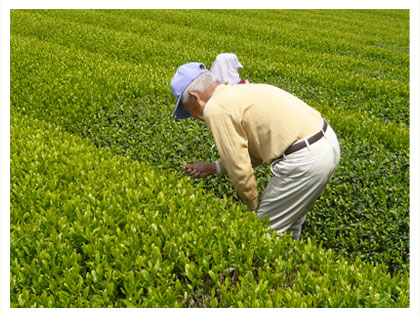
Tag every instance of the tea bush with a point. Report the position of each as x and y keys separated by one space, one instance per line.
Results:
x=93 y=229
x=103 y=75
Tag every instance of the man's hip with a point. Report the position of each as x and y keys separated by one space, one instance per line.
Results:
x=298 y=180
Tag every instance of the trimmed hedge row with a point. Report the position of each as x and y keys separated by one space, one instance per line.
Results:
x=93 y=229
x=348 y=68
x=108 y=81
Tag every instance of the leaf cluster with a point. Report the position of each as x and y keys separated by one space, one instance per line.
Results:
x=93 y=229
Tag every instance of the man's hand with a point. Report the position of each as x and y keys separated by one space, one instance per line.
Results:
x=200 y=169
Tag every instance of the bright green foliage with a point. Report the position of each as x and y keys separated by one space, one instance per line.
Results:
x=93 y=229
x=103 y=75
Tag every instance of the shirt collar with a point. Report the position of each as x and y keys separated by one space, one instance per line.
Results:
x=217 y=90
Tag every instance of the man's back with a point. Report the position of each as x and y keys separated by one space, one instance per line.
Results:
x=270 y=118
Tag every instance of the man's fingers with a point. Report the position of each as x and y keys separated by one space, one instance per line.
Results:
x=189 y=166
x=192 y=172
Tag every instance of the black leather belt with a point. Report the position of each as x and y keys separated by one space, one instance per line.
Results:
x=302 y=144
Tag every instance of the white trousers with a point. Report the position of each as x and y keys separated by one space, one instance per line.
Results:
x=297 y=182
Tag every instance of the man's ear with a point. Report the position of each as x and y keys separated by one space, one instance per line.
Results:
x=197 y=97
x=195 y=94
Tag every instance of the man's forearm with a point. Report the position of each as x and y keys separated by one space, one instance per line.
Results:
x=212 y=167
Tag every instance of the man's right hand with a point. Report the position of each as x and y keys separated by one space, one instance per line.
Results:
x=200 y=169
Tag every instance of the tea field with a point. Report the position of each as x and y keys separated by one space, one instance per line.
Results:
x=100 y=212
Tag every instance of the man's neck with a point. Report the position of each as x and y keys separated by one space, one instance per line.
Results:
x=209 y=92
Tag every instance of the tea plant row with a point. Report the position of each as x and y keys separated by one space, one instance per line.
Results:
x=108 y=81
x=90 y=228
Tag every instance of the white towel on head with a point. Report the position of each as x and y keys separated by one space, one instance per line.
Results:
x=225 y=68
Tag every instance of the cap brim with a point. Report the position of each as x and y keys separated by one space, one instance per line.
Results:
x=180 y=112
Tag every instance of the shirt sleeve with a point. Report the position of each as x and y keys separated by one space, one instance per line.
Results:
x=232 y=145
x=255 y=162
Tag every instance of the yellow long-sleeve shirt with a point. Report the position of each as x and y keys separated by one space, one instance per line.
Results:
x=252 y=123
